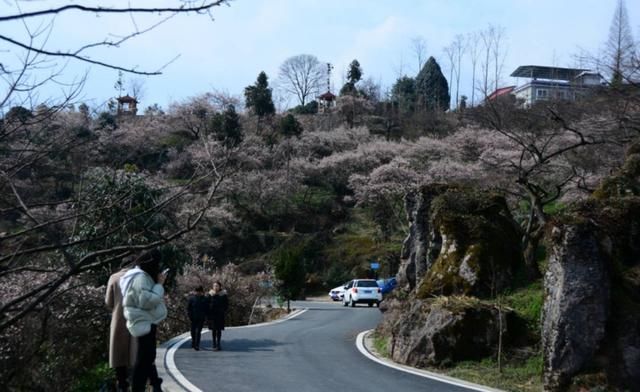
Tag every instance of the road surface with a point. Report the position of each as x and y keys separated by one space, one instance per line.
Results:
x=313 y=352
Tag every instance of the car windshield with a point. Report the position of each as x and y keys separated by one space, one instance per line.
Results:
x=367 y=283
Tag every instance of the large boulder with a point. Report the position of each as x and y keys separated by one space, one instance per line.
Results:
x=440 y=331
x=422 y=246
x=461 y=241
x=576 y=303
x=591 y=316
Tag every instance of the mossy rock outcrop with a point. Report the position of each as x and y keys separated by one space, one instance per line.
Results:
x=462 y=241
x=591 y=315
x=626 y=182
x=441 y=331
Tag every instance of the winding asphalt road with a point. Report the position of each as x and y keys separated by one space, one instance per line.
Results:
x=314 y=351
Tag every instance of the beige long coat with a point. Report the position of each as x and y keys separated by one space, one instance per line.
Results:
x=122 y=346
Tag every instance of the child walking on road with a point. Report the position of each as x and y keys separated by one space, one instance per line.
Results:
x=197 y=310
x=218 y=305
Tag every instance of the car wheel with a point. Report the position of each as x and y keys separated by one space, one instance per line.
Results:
x=344 y=303
x=377 y=304
x=370 y=304
x=353 y=304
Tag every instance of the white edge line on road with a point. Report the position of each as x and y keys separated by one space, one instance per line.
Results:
x=168 y=350
x=417 y=372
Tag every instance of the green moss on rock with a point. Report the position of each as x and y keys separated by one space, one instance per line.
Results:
x=480 y=248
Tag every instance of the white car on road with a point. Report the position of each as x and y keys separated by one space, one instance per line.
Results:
x=362 y=291
x=337 y=293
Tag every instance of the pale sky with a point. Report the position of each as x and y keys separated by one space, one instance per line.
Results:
x=249 y=36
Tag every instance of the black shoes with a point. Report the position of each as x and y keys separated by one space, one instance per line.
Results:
x=156 y=387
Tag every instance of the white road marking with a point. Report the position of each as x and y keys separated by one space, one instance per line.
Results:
x=417 y=372
x=166 y=362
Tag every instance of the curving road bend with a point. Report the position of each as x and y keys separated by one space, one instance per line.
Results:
x=313 y=352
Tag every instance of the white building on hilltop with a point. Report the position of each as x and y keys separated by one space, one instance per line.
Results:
x=549 y=83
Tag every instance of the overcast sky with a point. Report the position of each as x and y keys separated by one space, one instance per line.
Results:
x=249 y=36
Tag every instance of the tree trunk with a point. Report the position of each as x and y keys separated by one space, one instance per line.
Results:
x=530 y=250
x=533 y=233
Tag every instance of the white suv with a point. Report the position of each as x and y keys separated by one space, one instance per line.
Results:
x=362 y=291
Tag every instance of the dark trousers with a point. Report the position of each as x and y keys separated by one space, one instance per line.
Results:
x=196 y=332
x=145 y=368
x=122 y=377
x=216 y=336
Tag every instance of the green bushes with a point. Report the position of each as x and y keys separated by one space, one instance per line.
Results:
x=95 y=379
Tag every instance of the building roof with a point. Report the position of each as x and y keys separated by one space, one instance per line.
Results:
x=544 y=72
x=328 y=96
x=501 y=91
x=127 y=99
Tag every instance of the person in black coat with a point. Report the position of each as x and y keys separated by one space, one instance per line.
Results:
x=197 y=309
x=218 y=305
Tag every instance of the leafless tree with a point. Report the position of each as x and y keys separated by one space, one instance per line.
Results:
x=399 y=68
x=31 y=46
x=137 y=88
x=46 y=239
x=493 y=55
x=473 y=45
x=458 y=47
x=485 y=64
x=419 y=49
x=194 y=114
x=545 y=142
x=302 y=76
x=450 y=52
x=498 y=52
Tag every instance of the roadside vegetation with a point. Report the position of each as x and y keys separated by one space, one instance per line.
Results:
x=290 y=203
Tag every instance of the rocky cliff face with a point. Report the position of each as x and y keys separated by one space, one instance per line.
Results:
x=591 y=316
x=463 y=243
x=443 y=330
x=576 y=305
x=422 y=245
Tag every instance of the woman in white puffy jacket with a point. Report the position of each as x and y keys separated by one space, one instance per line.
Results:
x=144 y=308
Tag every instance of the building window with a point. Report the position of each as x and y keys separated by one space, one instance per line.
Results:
x=561 y=95
x=542 y=93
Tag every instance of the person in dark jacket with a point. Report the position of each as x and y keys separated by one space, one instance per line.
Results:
x=197 y=310
x=218 y=305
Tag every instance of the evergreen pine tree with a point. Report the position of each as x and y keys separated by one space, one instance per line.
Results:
x=258 y=97
x=289 y=126
x=290 y=272
x=403 y=93
x=621 y=47
x=432 y=89
x=354 y=75
x=227 y=128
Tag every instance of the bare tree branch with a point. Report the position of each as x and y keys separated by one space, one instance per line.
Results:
x=104 y=10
